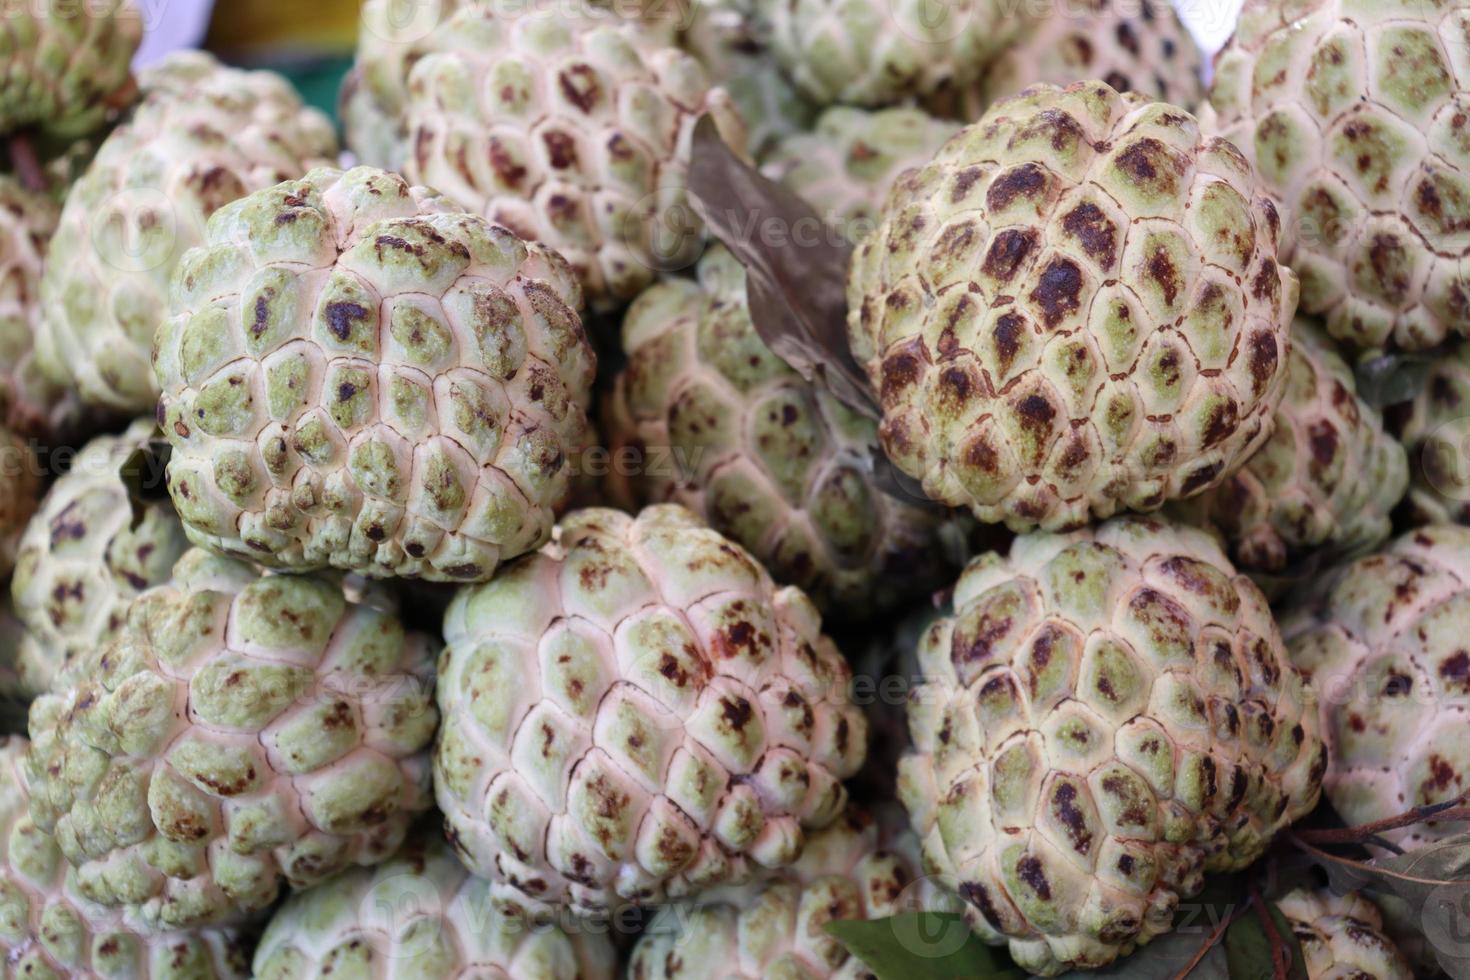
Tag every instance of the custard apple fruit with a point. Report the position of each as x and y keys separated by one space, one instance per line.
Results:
x=882 y=52
x=1076 y=308
x=202 y=136
x=571 y=129
x=422 y=916
x=65 y=65
x=847 y=164
x=1109 y=715
x=50 y=931
x=105 y=532
x=733 y=43
x=775 y=927
x=1324 y=483
x=723 y=426
x=30 y=403
x=375 y=91
x=1133 y=45
x=1383 y=643
x=637 y=711
x=1357 y=117
x=1433 y=429
x=357 y=374
x=238 y=731
x=1342 y=936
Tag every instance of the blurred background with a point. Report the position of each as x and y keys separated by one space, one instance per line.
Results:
x=312 y=43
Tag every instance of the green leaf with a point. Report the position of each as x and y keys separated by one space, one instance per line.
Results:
x=1248 y=949
x=924 y=944
x=1390 y=379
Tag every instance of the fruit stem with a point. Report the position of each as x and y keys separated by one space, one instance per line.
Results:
x=1449 y=811
x=1280 y=970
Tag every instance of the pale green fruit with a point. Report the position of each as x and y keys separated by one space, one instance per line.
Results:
x=723 y=426
x=637 y=712
x=775 y=927
x=357 y=374
x=847 y=164
x=733 y=42
x=1434 y=431
x=50 y=931
x=238 y=732
x=1342 y=936
x=65 y=65
x=1325 y=482
x=1107 y=716
x=105 y=532
x=1075 y=309
x=202 y=136
x=1355 y=115
x=573 y=130
x=422 y=916
x=1383 y=642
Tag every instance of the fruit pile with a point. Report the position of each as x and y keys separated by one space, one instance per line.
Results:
x=775 y=488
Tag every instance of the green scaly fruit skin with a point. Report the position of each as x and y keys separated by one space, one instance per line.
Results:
x=421 y=914
x=638 y=712
x=1355 y=115
x=30 y=403
x=1432 y=431
x=1342 y=936
x=203 y=135
x=239 y=732
x=358 y=374
x=856 y=869
x=727 y=429
x=1141 y=47
x=572 y=130
x=1075 y=309
x=732 y=42
x=876 y=53
x=1327 y=479
x=65 y=66
x=1383 y=641
x=848 y=163
x=89 y=551
x=50 y=931
x=1108 y=716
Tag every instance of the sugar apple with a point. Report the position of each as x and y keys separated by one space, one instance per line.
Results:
x=358 y=374
x=1355 y=115
x=1328 y=477
x=1342 y=936
x=30 y=403
x=883 y=52
x=20 y=493
x=105 y=532
x=422 y=916
x=845 y=167
x=64 y=65
x=732 y=42
x=1434 y=428
x=573 y=130
x=50 y=931
x=1075 y=308
x=719 y=712
x=774 y=927
x=1108 y=715
x=202 y=136
x=1383 y=643
x=1133 y=45
x=375 y=91
x=723 y=426
x=238 y=731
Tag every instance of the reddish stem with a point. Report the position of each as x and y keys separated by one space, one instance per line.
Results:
x=1449 y=811
x=27 y=167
